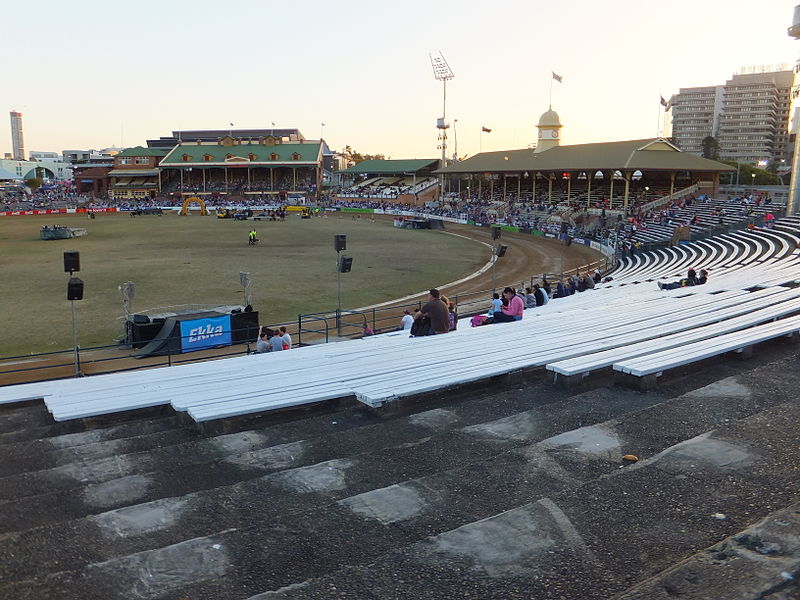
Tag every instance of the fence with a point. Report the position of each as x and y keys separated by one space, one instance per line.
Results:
x=309 y=328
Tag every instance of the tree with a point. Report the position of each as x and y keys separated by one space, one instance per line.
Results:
x=356 y=157
x=710 y=147
x=746 y=179
x=34 y=183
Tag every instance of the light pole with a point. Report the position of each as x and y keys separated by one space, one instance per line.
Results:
x=752 y=184
x=442 y=72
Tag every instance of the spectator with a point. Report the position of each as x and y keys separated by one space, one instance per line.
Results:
x=689 y=280
x=538 y=295
x=453 y=314
x=275 y=341
x=287 y=339
x=407 y=321
x=530 y=298
x=511 y=311
x=497 y=304
x=262 y=345
x=703 y=277
x=435 y=311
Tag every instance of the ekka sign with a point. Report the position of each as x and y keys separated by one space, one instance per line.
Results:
x=199 y=334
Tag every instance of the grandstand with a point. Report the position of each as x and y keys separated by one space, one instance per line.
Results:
x=403 y=181
x=510 y=488
x=242 y=167
x=610 y=175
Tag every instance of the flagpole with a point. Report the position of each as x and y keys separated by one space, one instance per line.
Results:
x=550 y=103
x=480 y=137
x=658 y=120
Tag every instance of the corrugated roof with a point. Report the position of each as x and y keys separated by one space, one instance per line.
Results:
x=391 y=167
x=133 y=173
x=141 y=151
x=651 y=154
x=240 y=153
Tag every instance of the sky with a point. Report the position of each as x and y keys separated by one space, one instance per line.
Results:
x=94 y=74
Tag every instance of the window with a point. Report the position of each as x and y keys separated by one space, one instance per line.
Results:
x=207 y=157
x=186 y=157
x=251 y=157
x=274 y=156
x=125 y=160
x=296 y=156
x=142 y=160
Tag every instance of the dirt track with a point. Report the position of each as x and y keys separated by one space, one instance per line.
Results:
x=526 y=257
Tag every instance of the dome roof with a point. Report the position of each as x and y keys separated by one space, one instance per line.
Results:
x=549 y=119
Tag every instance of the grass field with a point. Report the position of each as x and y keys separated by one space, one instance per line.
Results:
x=185 y=260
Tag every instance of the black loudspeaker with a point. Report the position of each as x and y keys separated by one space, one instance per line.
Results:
x=345 y=264
x=340 y=242
x=496 y=233
x=72 y=261
x=501 y=250
x=74 y=288
x=141 y=319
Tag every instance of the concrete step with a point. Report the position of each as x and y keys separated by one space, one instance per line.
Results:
x=78 y=489
x=359 y=526
x=762 y=561
x=436 y=445
x=596 y=540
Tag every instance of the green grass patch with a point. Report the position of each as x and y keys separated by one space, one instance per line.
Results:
x=176 y=260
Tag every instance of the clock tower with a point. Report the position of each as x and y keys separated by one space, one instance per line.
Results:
x=549 y=131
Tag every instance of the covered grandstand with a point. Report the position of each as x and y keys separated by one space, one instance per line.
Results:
x=407 y=181
x=609 y=175
x=239 y=166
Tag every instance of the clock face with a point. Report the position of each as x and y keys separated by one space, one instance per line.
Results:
x=554 y=133
x=541 y=134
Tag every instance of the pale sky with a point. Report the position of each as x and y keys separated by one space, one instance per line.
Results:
x=93 y=74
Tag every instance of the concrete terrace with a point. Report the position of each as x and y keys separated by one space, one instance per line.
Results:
x=508 y=487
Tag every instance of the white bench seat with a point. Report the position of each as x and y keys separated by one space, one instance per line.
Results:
x=655 y=364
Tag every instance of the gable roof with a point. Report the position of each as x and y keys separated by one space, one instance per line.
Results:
x=391 y=167
x=141 y=151
x=309 y=154
x=652 y=154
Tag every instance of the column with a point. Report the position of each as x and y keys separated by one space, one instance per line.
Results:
x=549 y=188
x=626 y=175
x=671 y=185
x=588 y=190
x=611 y=190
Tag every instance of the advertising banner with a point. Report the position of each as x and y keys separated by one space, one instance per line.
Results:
x=199 y=334
x=44 y=211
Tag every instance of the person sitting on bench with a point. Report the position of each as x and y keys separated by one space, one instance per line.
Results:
x=511 y=310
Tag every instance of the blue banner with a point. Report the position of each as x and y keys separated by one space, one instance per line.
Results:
x=199 y=334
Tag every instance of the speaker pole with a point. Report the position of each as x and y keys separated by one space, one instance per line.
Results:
x=75 y=341
x=339 y=294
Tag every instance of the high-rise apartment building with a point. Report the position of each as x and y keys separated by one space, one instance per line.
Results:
x=695 y=116
x=754 y=125
x=17 y=143
x=748 y=116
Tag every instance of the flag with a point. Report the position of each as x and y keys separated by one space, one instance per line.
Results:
x=323 y=124
x=231 y=124
x=273 y=123
x=663 y=102
x=485 y=129
x=558 y=78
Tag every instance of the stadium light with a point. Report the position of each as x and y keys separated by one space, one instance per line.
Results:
x=442 y=72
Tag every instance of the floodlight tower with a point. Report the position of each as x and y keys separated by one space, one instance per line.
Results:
x=443 y=73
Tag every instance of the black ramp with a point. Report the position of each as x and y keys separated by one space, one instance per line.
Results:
x=166 y=341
